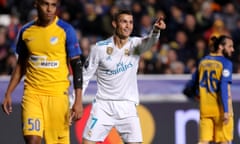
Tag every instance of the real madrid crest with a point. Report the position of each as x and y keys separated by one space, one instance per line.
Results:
x=126 y=52
x=109 y=50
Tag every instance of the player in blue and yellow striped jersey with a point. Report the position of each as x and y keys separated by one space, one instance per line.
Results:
x=214 y=77
x=45 y=46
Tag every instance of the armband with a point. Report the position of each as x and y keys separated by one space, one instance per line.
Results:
x=76 y=65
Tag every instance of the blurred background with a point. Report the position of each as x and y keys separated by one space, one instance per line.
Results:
x=166 y=115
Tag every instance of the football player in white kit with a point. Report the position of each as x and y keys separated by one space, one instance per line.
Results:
x=114 y=61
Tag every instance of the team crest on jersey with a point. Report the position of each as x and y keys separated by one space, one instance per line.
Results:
x=109 y=50
x=126 y=52
x=53 y=40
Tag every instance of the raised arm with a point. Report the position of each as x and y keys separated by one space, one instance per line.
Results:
x=154 y=35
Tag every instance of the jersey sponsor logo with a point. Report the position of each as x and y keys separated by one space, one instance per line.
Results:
x=53 y=40
x=42 y=62
x=226 y=73
x=121 y=67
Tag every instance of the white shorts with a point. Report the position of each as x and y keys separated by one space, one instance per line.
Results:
x=108 y=114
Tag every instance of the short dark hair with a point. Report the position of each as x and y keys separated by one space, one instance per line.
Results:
x=120 y=12
x=216 y=41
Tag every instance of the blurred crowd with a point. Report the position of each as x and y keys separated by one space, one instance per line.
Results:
x=190 y=24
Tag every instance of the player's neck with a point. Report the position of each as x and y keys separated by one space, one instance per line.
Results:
x=217 y=54
x=120 y=42
x=44 y=23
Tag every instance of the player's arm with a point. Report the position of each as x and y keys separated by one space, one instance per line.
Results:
x=76 y=66
x=224 y=99
x=82 y=74
x=74 y=52
x=154 y=35
x=228 y=104
x=190 y=90
x=226 y=80
x=229 y=93
x=224 y=95
x=90 y=66
x=230 y=107
x=17 y=74
x=14 y=81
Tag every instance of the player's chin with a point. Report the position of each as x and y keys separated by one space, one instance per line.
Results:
x=49 y=17
x=228 y=55
x=126 y=34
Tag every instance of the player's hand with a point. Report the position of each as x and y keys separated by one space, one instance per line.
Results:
x=160 y=24
x=190 y=91
x=7 y=104
x=225 y=118
x=76 y=112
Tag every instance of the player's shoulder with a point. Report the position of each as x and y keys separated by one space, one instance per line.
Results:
x=135 y=38
x=102 y=45
x=105 y=42
x=64 y=25
x=27 y=25
x=226 y=61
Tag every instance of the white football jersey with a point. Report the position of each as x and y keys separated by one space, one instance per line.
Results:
x=116 y=68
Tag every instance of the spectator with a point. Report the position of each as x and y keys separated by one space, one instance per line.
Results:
x=191 y=28
x=91 y=22
x=107 y=21
x=85 y=47
x=205 y=16
x=7 y=57
x=177 y=67
x=200 y=49
x=176 y=21
x=229 y=16
x=145 y=25
x=217 y=29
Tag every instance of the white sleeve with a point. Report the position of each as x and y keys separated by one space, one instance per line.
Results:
x=149 y=41
x=90 y=67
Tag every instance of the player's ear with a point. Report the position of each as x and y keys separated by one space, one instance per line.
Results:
x=114 y=24
x=221 y=47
